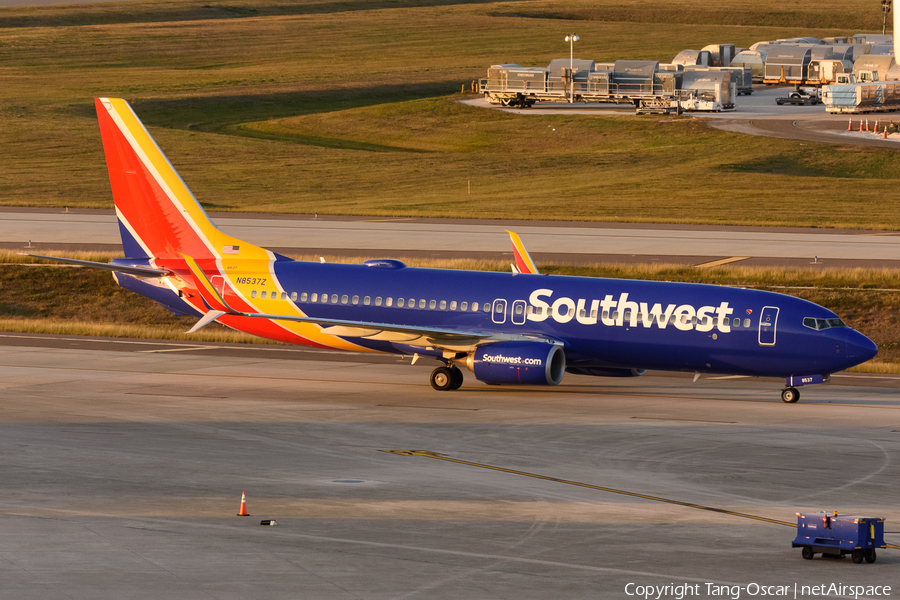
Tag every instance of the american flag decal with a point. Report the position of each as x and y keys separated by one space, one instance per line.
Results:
x=230 y=249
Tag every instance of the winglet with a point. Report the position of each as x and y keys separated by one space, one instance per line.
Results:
x=523 y=261
x=207 y=290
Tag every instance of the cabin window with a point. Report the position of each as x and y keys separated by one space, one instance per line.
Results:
x=693 y=320
x=746 y=322
x=313 y=298
x=324 y=299
x=582 y=313
x=474 y=307
x=400 y=302
x=293 y=296
x=367 y=300
x=378 y=301
x=736 y=322
x=593 y=314
x=443 y=305
x=453 y=305
x=605 y=314
x=389 y=302
x=704 y=321
x=549 y=311
x=518 y=308
x=262 y=294
x=284 y=295
x=253 y=294
x=487 y=307
x=433 y=303
x=615 y=315
x=464 y=306
x=355 y=300
x=422 y=303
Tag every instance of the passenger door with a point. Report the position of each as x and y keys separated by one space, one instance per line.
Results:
x=767 y=321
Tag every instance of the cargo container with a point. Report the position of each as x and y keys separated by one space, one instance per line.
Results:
x=787 y=64
x=720 y=55
x=707 y=91
x=885 y=66
x=693 y=57
x=741 y=77
x=824 y=71
x=851 y=96
x=755 y=60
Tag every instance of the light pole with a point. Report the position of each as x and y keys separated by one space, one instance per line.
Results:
x=572 y=39
x=885 y=8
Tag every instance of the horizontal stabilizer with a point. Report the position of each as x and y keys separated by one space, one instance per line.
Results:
x=139 y=271
x=206 y=320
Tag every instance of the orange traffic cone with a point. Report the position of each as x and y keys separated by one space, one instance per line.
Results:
x=243 y=512
x=876 y=127
x=850 y=125
x=867 y=125
x=885 y=132
x=860 y=125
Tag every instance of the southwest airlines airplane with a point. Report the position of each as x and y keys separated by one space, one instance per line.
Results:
x=506 y=328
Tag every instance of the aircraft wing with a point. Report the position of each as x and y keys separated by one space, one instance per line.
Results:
x=139 y=271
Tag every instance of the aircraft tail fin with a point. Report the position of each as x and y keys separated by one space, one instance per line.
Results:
x=158 y=215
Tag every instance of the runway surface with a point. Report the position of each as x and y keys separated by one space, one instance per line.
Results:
x=551 y=241
x=124 y=462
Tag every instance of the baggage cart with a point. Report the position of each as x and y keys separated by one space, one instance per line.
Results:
x=837 y=535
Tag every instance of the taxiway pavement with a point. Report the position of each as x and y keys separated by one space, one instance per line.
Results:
x=124 y=462
x=36 y=230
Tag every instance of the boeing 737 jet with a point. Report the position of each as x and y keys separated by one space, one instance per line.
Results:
x=520 y=327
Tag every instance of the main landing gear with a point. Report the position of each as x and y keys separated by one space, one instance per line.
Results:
x=790 y=395
x=446 y=378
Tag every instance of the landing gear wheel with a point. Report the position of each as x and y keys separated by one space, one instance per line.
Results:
x=807 y=553
x=790 y=395
x=442 y=379
x=870 y=555
x=857 y=556
x=457 y=376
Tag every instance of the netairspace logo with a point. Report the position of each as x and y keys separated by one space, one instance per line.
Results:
x=755 y=590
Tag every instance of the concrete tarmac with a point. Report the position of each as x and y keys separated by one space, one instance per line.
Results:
x=124 y=462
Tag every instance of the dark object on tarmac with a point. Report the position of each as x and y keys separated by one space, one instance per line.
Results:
x=268 y=522
x=801 y=97
x=836 y=535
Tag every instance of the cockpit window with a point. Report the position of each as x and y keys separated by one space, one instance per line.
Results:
x=820 y=324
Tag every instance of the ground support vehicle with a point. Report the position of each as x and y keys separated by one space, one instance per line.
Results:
x=836 y=535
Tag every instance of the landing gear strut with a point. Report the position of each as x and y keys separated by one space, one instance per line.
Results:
x=446 y=378
x=790 y=395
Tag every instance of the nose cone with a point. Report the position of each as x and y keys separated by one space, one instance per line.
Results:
x=859 y=349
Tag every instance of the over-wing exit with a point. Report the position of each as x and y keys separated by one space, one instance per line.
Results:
x=519 y=327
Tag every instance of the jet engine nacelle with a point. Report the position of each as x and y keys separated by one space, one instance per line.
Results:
x=531 y=363
x=604 y=372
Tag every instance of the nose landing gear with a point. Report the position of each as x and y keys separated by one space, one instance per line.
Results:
x=790 y=395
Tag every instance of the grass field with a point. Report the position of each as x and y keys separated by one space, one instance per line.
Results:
x=351 y=108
